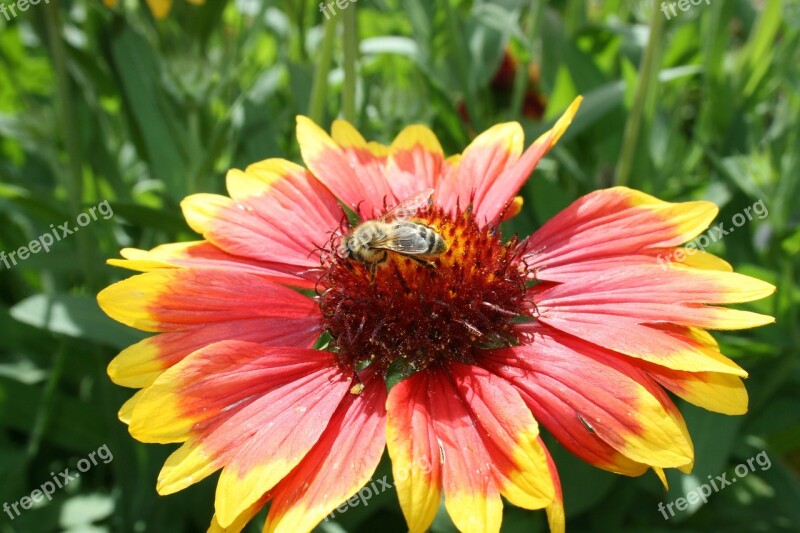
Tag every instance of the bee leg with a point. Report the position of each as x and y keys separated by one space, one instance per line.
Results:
x=428 y=264
x=373 y=267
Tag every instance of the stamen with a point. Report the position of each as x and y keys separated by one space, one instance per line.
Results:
x=499 y=309
x=416 y=311
x=473 y=329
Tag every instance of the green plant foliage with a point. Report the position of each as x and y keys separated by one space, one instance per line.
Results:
x=101 y=103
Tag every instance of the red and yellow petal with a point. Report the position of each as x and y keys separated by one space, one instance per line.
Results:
x=714 y=391
x=514 y=208
x=414 y=450
x=278 y=212
x=141 y=363
x=126 y=410
x=472 y=494
x=510 y=434
x=481 y=164
x=649 y=285
x=663 y=258
x=494 y=195
x=348 y=138
x=252 y=410
x=556 y=518
x=347 y=165
x=624 y=311
x=415 y=161
x=171 y=300
x=198 y=308
x=242 y=520
x=341 y=462
x=560 y=418
x=487 y=444
x=648 y=343
x=616 y=402
x=689 y=257
x=609 y=223
x=202 y=254
x=185 y=466
x=221 y=380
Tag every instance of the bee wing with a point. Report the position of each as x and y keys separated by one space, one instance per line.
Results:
x=404 y=240
x=409 y=207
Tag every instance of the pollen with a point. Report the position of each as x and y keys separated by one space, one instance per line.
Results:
x=408 y=313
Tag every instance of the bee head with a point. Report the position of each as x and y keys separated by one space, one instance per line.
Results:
x=344 y=250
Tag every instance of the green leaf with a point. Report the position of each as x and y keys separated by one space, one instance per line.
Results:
x=83 y=510
x=74 y=316
x=19 y=405
x=159 y=130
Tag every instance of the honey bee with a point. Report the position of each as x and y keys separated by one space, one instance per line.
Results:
x=370 y=242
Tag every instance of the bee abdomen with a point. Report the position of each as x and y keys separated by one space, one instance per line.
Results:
x=436 y=244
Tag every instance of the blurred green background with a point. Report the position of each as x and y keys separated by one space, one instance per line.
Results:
x=109 y=103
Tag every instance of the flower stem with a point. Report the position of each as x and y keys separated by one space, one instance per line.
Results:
x=69 y=131
x=350 y=59
x=47 y=402
x=319 y=89
x=646 y=85
x=460 y=55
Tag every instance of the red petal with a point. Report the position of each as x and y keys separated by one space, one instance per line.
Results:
x=414 y=450
x=415 y=162
x=253 y=410
x=483 y=161
x=277 y=212
x=350 y=167
x=556 y=518
x=622 y=309
x=583 y=394
x=202 y=254
x=509 y=433
x=340 y=463
x=140 y=364
x=176 y=299
x=472 y=494
x=613 y=222
x=489 y=205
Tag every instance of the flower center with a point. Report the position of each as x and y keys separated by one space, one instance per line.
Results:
x=406 y=313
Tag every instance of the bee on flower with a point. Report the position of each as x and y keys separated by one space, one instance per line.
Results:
x=446 y=344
